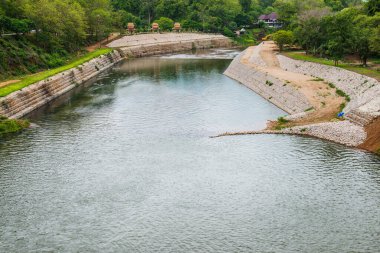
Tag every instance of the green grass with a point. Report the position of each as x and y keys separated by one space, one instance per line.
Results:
x=30 y=79
x=282 y=120
x=354 y=68
x=11 y=126
x=246 y=40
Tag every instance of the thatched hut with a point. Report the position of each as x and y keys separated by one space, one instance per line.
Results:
x=131 y=27
x=155 y=27
x=177 y=27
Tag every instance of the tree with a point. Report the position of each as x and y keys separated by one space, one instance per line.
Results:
x=165 y=23
x=287 y=10
x=245 y=5
x=174 y=9
x=99 y=21
x=309 y=32
x=339 y=29
x=282 y=38
x=363 y=31
x=372 y=6
x=121 y=19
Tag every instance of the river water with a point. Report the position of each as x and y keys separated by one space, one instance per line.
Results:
x=127 y=165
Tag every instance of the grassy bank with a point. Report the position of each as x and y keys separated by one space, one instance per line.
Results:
x=354 y=68
x=246 y=40
x=30 y=79
x=11 y=126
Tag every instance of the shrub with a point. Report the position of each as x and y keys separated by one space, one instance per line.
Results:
x=166 y=24
x=9 y=126
x=227 y=32
x=282 y=120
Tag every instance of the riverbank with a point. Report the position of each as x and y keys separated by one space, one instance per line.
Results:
x=367 y=71
x=312 y=94
x=23 y=97
x=11 y=86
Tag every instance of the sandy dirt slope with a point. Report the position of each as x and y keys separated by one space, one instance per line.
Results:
x=323 y=98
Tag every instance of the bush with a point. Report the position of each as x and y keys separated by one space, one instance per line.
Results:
x=227 y=32
x=10 y=126
x=282 y=38
x=166 y=24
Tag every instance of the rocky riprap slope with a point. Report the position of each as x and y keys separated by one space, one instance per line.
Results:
x=364 y=91
x=362 y=109
x=154 y=44
x=26 y=100
x=263 y=83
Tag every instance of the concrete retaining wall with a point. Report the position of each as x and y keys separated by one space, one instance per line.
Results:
x=269 y=87
x=22 y=102
x=172 y=47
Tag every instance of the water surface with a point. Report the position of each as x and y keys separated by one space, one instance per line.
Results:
x=127 y=165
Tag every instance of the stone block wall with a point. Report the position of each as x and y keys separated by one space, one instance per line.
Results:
x=26 y=100
x=174 y=46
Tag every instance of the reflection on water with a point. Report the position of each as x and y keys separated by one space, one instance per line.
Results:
x=126 y=165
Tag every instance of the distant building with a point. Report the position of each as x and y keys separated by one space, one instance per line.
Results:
x=271 y=20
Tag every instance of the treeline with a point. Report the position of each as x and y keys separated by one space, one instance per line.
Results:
x=69 y=24
x=322 y=29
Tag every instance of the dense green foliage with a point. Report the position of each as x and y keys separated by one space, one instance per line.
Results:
x=333 y=28
x=282 y=38
x=11 y=126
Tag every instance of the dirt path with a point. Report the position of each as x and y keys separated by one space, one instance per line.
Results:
x=97 y=45
x=6 y=83
x=321 y=96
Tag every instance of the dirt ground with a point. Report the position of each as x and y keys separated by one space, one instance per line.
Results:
x=320 y=95
x=373 y=137
x=102 y=43
x=3 y=84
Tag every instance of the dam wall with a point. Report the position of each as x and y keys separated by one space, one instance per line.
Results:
x=271 y=88
x=155 y=44
x=28 y=99
x=20 y=103
x=364 y=91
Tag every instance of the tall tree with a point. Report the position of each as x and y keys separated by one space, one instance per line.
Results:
x=245 y=5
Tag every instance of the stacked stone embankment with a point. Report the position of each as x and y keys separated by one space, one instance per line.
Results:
x=342 y=132
x=26 y=100
x=263 y=83
x=364 y=91
x=155 y=44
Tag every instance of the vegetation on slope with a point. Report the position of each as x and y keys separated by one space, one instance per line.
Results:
x=375 y=73
x=11 y=126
